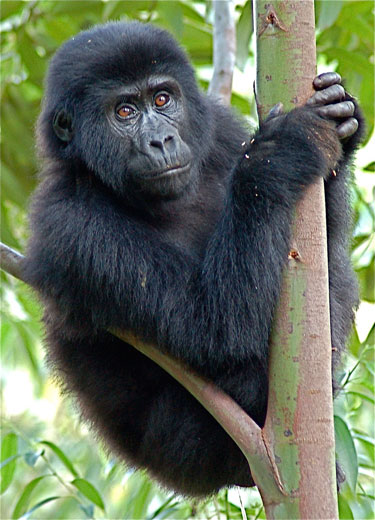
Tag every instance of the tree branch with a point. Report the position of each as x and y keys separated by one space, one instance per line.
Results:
x=11 y=261
x=241 y=428
x=224 y=51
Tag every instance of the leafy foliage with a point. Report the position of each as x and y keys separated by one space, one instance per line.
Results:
x=50 y=467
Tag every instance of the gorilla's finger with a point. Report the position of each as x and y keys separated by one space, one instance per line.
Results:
x=344 y=109
x=326 y=80
x=326 y=96
x=276 y=110
x=348 y=128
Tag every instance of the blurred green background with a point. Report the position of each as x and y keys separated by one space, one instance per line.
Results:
x=52 y=467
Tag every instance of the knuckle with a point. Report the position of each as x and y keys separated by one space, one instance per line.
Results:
x=322 y=111
x=351 y=107
x=339 y=91
x=320 y=97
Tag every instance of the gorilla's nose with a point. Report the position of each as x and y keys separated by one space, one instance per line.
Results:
x=161 y=143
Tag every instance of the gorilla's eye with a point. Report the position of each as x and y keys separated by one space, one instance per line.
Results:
x=124 y=111
x=161 y=99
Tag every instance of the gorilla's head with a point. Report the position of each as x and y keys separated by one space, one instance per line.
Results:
x=122 y=101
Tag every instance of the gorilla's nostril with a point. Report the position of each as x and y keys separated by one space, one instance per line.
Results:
x=156 y=143
x=159 y=143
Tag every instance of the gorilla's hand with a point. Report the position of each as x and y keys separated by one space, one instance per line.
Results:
x=332 y=102
x=314 y=124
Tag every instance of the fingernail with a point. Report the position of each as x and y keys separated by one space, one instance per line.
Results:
x=276 y=109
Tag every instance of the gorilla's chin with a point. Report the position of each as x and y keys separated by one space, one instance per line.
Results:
x=169 y=184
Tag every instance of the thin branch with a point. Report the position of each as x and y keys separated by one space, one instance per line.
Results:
x=224 y=50
x=11 y=261
x=243 y=430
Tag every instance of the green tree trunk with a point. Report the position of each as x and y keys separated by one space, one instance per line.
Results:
x=299 y=425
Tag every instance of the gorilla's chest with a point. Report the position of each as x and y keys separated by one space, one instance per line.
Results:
x=191 y=225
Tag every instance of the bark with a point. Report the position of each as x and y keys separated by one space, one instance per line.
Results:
x=299 y=424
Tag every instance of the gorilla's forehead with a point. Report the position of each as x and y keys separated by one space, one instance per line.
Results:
x=136 y=89
x=120 y=52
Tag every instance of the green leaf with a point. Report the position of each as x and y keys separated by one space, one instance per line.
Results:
x=370 y=340
x=143 y=499
x=161 y=508
x=244 y=31
x=8 y=460
x=37 y=506
x=328 y=13
x=362 y=395
x=190 y=12
x=61 y=455
x=367 y=281
x=28 y=341
x=9 y=450
x=345 y=513
x=10 y=7
x=366 y=440
x=78 y=7
x=11 y=185
x=36 y=65
x=126 y=9
x=353 y=61
x=23 y=501
x=89 y=491
x=346 y=452
x=170 y=512
x=370 y=167
x=171 y=16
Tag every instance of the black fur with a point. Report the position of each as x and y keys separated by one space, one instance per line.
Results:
x=198 y=273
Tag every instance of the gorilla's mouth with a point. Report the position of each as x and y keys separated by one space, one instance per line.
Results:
x=167 y=172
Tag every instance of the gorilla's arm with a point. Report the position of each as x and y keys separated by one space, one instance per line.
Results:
x=239 y=282
x=102 y=265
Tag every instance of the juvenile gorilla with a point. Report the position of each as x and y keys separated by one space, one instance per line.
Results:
x=154 y=216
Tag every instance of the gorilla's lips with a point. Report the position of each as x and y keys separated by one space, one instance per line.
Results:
x=165 y=184
x=167 y=172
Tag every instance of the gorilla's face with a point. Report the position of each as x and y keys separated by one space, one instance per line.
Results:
x=147 y=118
x=134 y=137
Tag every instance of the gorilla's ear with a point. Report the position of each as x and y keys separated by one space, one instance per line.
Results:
x=63 y=125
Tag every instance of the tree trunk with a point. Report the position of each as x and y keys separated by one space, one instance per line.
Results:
x=299 y=425
x=224 y=42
